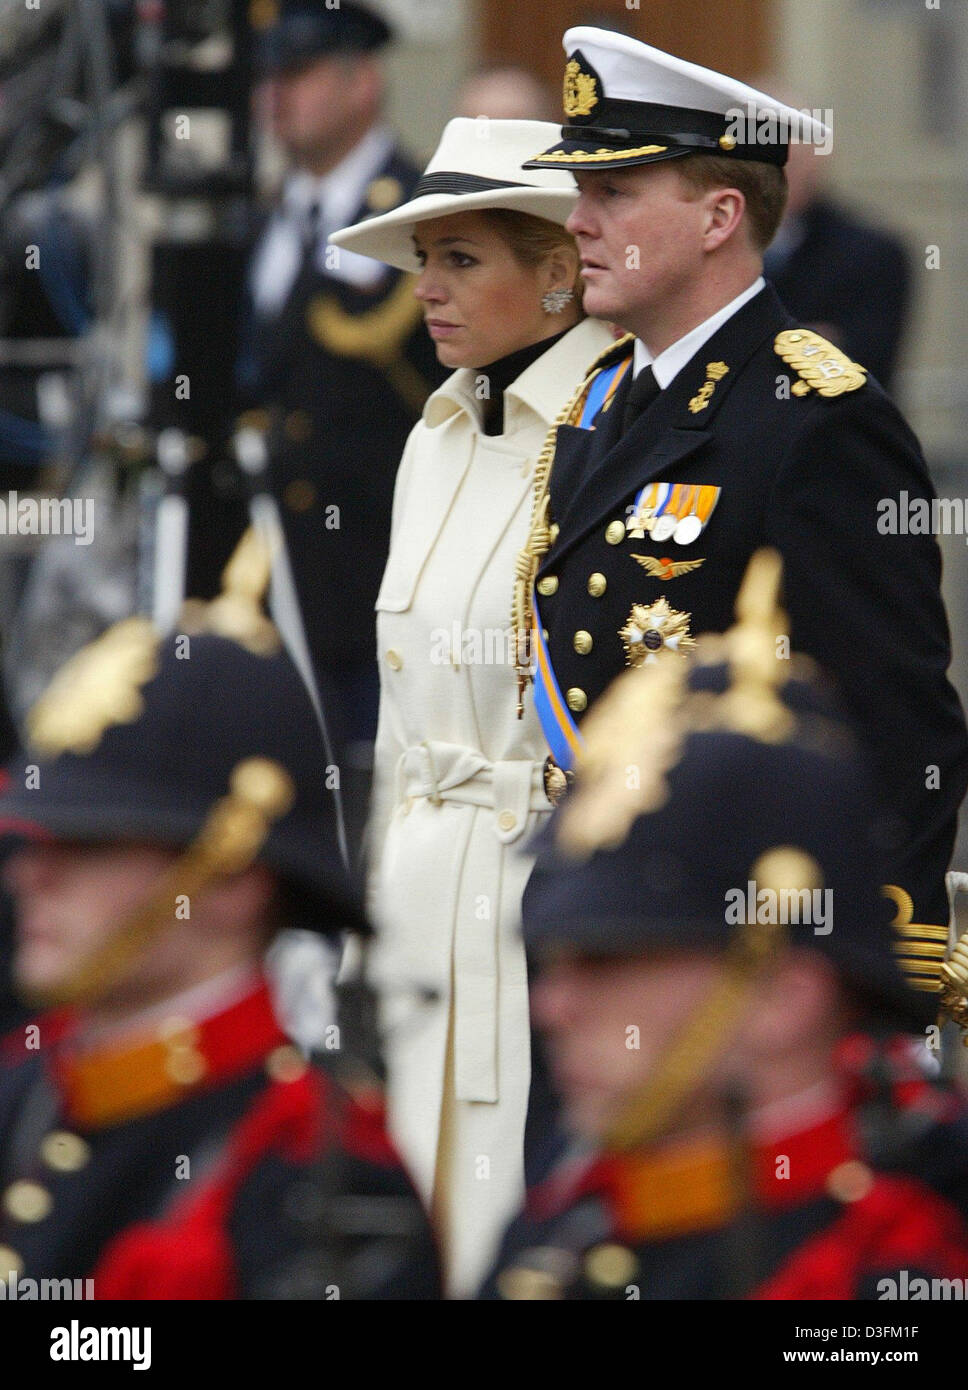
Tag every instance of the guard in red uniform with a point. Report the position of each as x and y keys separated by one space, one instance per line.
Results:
x=160 y=1135
x=741 y=1037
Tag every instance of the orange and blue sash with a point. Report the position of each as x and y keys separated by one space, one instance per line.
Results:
x=602 y=390
x=560 y=730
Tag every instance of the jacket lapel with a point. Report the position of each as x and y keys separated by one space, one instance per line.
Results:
x=578 y=452
x=598 y=482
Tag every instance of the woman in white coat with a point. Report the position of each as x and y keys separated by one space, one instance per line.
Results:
x=458 y=777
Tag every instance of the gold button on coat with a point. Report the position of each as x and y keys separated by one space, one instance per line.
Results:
x=65 y=1152
x=507 y=820
x=610 y=1266
x=27 y=1201
x=553 y=530
x=597 y=584
x=548 y=585
x=576 y=699
x=11 y=1262
x=394 y=659
x=582 y=642
x=615 y=532
x=850 y=1181
x=286 y=1063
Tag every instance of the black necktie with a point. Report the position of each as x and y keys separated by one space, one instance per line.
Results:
x=644 y=390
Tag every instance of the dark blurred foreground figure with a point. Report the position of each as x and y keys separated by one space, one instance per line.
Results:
x=725 y=1003
x=336 y=349
x=159 y=1133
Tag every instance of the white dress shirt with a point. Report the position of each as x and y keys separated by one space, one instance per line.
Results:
x=337 y=196
x=667 y=366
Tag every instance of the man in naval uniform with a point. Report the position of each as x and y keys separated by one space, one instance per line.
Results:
x=336 y=344
x=721 y=426
x=160 y=1135
x=725 y=1002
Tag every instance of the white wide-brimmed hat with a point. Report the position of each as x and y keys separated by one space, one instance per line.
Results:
x=476 y=165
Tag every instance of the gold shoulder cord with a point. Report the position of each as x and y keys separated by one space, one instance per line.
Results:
x=538 y=542
x=754 y=948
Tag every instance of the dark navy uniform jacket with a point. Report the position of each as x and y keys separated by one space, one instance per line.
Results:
x=803 y=473
x=346 y=371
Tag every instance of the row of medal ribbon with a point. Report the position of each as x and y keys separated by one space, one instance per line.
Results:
x=677 y=511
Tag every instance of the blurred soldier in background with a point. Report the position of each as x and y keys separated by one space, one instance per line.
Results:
x=336 y=343
x=840 y=277
x=159 y=1132
x=719 y=985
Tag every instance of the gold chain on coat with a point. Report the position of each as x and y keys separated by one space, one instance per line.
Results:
x=538 y=542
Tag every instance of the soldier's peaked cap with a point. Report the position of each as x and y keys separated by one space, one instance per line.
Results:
x=627 y=103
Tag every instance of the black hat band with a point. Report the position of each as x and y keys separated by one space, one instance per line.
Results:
x=627 y=125
x=447 y=181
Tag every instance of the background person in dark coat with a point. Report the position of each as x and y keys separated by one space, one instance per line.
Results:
x=336 y=346
x=836 y=274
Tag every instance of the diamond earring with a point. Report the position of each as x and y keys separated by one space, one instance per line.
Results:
x=555 y=300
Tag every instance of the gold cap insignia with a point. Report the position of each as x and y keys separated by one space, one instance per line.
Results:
x=580 y=94
x=821 y=366
x=98 y=687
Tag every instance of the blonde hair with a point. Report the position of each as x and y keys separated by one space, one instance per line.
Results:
x=532 y=239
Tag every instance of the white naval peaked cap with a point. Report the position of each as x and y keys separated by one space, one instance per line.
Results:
x=627 y=103
x=477 y=165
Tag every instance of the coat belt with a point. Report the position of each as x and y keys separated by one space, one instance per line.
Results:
x=511 y=789
x=449 y=772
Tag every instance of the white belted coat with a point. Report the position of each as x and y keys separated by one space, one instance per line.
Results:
x=458 y=791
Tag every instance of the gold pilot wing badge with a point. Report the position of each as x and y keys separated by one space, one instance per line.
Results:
x=98 y=687
x=665 y=568
x=655 y=630
x=580 y=90
x=820 y=366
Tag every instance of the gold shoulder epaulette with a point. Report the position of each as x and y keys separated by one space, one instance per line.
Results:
x=820 y=366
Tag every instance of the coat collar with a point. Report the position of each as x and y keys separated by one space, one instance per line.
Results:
x=688 y=1187
x=154 y=1068
x=537 y=392
x=676 y=425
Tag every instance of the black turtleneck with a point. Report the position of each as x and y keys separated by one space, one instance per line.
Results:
x=501 y=373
